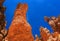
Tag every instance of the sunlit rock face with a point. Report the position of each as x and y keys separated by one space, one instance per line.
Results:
x=20 y=30
x=47 y=36
x=54 y=23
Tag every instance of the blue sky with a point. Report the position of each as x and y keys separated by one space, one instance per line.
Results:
x=37 y=9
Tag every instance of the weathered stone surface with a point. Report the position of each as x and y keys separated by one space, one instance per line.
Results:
x=54 y=23
x=20 y=30
x=46 y=35
x=1 y=2
x=3 y=31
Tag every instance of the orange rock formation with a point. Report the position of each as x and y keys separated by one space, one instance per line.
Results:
x=46 y=35
x=20 y=30
x=54 y=23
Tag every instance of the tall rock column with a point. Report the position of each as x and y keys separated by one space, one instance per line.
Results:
x=20 y=30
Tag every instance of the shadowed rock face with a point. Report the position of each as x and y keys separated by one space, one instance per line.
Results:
x=20 y=30
x=3 y=31
x=1 y=2
x=2 y=16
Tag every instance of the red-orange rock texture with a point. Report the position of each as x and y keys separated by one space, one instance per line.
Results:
x=54 y=22
x=20 y=30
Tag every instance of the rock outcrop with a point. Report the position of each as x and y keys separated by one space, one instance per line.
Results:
x=3 y=31
x=20 y=30
x=45 y=33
